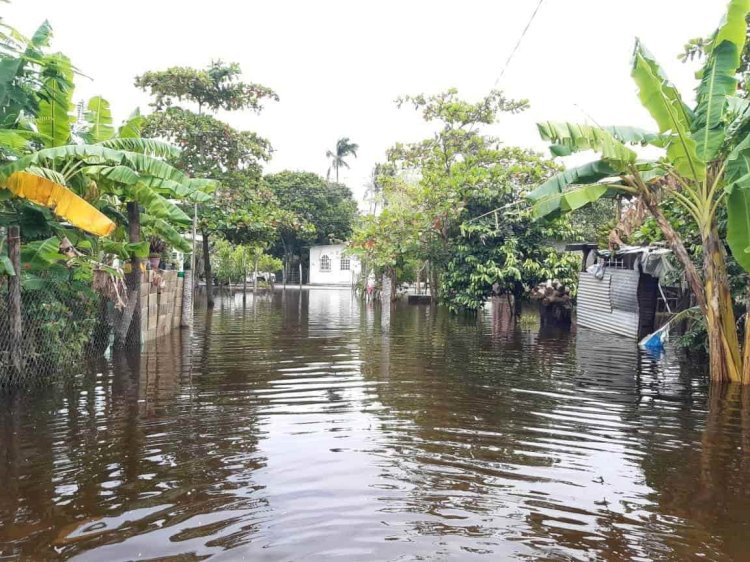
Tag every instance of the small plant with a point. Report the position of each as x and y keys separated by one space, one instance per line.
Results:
x=156 y=246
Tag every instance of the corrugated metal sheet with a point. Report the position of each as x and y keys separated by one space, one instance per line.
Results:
x=595 y=308
x=594 y=292
x=623 y=288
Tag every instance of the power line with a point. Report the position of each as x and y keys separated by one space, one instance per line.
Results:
x=518 y=43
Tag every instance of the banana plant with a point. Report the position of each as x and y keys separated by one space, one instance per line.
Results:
x=705 y=165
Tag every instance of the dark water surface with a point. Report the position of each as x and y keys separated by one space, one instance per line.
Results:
x=298 y=430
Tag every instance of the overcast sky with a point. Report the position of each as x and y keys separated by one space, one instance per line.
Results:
x=338 y=65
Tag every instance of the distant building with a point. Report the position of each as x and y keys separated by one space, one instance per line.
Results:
x=330 y=265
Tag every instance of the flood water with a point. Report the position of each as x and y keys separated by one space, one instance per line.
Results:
x=296 y=429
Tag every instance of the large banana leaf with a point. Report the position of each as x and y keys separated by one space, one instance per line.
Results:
x=11 y=68
x=717 y=83
x=733 y=27
x=585 y=174
x=95 y=154
x=738 y=225
x=671 y=114
x=132 y=126
x=99 y=118
x=14 y=140
x=41 y=254
x=125 y=250
x=737 y=167
x=54 y=120
x=61 y=200
x=153 y=147
x=571 y=200
x=193 y=189
x=577 y=137
x=718 y=80
x=157 y=206
x=165 y=231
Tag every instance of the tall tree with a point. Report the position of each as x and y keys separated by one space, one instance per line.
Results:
x=704 y=170
x=440 y=193
x=313 y=212
x=210 y=147
x=344 y=148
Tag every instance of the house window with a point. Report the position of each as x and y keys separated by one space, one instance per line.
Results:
x=325 y=263
x=345 y=264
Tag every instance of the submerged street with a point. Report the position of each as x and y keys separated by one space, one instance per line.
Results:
x=295 y=428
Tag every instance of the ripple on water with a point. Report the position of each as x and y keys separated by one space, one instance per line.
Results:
x=295 y=428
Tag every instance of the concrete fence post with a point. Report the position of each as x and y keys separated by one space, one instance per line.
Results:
x=187 y=300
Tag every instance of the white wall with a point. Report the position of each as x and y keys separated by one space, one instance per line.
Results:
x=336 y=276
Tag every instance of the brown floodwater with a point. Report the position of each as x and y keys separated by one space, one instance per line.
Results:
x=296 y=429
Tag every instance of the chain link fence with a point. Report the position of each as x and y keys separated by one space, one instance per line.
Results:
x=53 y=321
x=61 y=325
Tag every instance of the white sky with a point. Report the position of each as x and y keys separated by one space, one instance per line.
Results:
x=338 y=65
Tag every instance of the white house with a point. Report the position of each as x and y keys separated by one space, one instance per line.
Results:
x=330 y=265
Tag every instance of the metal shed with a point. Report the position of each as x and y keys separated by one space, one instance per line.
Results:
x=622 y=298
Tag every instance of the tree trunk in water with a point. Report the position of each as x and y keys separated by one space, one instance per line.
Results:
x=725 y=362
x=434 y=282
x=207 y=270
x=517 y=300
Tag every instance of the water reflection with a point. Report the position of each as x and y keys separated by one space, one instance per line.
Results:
x=294 y=426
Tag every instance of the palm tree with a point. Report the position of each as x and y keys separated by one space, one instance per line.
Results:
x=344 y=147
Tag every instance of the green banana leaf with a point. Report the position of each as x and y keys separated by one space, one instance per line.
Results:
x=54 y=120
x=132 y=126
x=577 y=137
x=543 y=197
x=153 y=147
x=98 y=115
x=671 y=114
x=571 y=200
x=165 y=231
x=738 y=225
x=96 y=153
x=157 y=206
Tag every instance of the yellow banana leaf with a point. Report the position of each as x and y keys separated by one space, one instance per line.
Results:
x=63 y=202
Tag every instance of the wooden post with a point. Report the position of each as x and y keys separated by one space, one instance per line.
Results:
x=14 y=298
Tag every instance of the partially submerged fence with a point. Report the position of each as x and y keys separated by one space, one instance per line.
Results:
x=51 y=324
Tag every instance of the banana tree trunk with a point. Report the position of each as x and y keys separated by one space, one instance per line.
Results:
x=725 y=361
x=714 y=299
x=746 y=347
x=678 y=248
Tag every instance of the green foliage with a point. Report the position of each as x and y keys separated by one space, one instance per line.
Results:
x=216 y=87
x=464 y=214
x=313 y=211
x=233 y=263
x=239 y=208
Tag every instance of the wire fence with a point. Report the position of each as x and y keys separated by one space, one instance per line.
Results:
x=53 y=321
x=48 y=332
